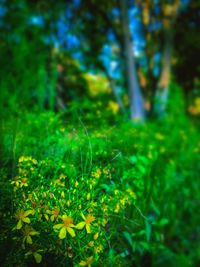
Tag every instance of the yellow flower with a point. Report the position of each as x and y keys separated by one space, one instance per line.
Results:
x=24 y=182
x=98 y=249
x=34 y=161
x=28 y=231
x=65 y=226
x=86 y=262
x=113 y=106
x=159 y=136
x=22 y=216
x=87 y=220
x=54 y=213
x=91 y=243
x=96 y=236
x=104 y=222
x=88 y=196
x=16 y=181
x=21 y=159
x=117 y=208
x=36 y=255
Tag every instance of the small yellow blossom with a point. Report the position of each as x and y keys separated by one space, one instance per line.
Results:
x=98 y=249
x=66 y=226
x=22 y=216
x=87 y=221
x=88 y=196
x=117 y=208
x=34 y=161
x=86 y=262
x=76 y=184
x=16 y=181
x=91 y=243
x=114 y=106
x=21 y=159
x=36 y=255
x=54 y=213
x=28 y=231
x=104 y=222
x=96 y=236
x=24 y=182
x=159 y=136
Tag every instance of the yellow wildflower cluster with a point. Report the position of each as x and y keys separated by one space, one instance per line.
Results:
x=68 y=210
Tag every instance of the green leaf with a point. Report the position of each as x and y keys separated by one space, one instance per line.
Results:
x=128 y=238
x=148 y=230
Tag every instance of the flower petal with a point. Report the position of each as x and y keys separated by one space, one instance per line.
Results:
x=62 y=233
x=83 y=263
x=46 y=217
x=88 y=229
x=34 y=233
x=29 y=240
x=80 y=225
x=37 y=257
x=71 y=231
x=26 y=220
x=58 y=226
x=96 y=236
x=64 y=217
x=28 y=212
x=82 y=215
x=19 y=224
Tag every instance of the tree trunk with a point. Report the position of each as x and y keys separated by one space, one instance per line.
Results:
x=161 y=97
x=162 y=92
x=135 y=97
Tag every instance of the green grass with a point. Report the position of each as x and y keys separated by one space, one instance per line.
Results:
x=155 y=165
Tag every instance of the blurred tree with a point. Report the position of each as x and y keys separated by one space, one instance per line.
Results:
x=169 y=15
x=135 y=97
x=96 y=24
x=187 y=47
x=158 y=30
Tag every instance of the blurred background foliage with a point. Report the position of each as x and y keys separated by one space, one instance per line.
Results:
x=105 y=88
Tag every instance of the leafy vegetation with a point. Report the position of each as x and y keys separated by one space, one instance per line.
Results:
x=100 y=147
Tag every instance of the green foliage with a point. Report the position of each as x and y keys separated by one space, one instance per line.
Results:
x=136 y=185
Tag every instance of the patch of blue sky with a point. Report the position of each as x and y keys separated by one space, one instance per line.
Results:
x=157 y=57
x=111 y=36
x=157 y=9
x=69 y=14
x=77 y=2
x=36 y=20
x=185 y=2
x=113 y=70
x=3 y=10
x=106 y=50
x=115 y=12
x=156 y=71
x=133 y=12
x=142 y=62
x=72 y=41
x=63 y=27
